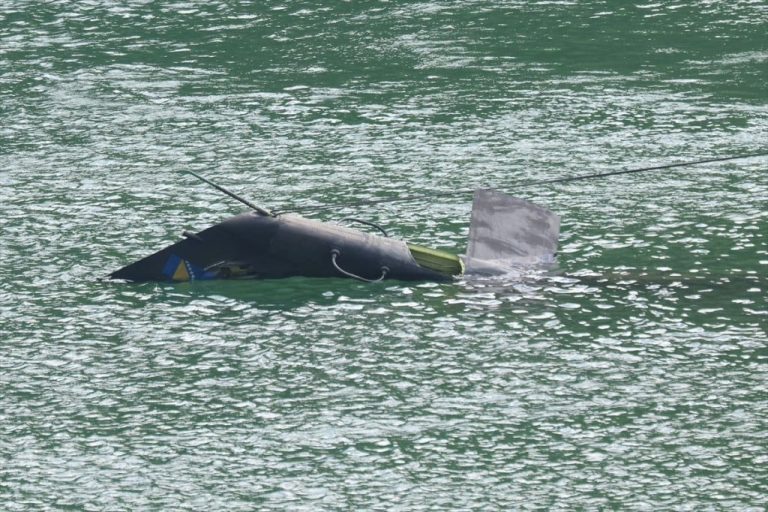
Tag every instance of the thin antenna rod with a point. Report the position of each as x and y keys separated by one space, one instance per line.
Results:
x=246 y=202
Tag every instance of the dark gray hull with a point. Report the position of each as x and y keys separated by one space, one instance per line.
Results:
x=256 y=246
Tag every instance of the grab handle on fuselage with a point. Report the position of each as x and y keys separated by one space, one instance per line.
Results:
x=367 y=223
x=335 y=254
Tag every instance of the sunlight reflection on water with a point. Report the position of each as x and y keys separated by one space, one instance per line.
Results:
x=633 y=377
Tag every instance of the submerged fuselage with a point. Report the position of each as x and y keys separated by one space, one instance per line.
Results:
x=505 y=233
x=256 y=246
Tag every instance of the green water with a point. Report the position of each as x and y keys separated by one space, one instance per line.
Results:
x=634 y=379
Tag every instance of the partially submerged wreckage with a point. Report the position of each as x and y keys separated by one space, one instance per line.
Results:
x=505 y=233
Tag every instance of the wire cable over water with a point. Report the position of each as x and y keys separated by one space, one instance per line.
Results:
x=522 y=184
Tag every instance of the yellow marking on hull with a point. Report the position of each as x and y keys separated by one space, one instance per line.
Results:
x=437 y=260
x=181 y=274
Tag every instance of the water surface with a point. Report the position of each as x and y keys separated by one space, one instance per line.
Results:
x=633 y=378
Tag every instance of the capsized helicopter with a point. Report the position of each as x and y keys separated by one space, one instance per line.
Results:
x=505 y=233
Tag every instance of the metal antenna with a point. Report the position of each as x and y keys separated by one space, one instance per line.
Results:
x=231 y=194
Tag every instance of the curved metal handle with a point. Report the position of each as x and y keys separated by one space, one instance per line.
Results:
x=335 y=253
x=367 y=223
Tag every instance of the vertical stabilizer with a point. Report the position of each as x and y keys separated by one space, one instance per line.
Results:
x=509 y=232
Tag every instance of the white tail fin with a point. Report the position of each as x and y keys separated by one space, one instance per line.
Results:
x=508 y=232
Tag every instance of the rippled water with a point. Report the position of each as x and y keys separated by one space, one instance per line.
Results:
x=633 y=378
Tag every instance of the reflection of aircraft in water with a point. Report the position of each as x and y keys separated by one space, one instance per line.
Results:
x=505 y=233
